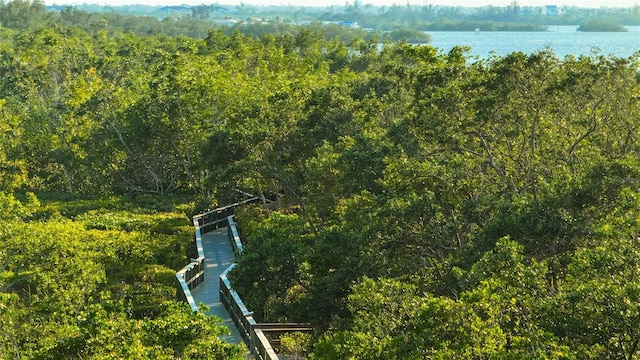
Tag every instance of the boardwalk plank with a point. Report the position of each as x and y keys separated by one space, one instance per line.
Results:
x=218 y=257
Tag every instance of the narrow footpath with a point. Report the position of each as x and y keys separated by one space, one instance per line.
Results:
x=218 y=257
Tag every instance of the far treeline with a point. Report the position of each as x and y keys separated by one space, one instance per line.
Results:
x=424 y=17
x=427 y=205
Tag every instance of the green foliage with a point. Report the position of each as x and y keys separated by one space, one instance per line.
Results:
x=196 y=20
x=295 y=345
x=276 y=247
x=470 y=187
x=392 y=320
x=601 y=26
x=12 y=208
x=327 y=31
x=410 y=36
x=99 y=283
x=425 y=204
x=23 y=14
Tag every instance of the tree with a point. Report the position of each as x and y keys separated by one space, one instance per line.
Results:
x=393 y=320
x=24 y=14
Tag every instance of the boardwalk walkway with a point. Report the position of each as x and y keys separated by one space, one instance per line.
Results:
x=218 y=257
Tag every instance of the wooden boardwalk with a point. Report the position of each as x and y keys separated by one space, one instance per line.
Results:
x=218 y=257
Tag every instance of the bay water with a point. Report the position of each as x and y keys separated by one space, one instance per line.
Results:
x=562 y=40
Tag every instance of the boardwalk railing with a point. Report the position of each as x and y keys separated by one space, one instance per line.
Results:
x=258 y=336
x=192 y=275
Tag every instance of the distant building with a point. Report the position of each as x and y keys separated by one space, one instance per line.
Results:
x=349 y=24
x=552 y=10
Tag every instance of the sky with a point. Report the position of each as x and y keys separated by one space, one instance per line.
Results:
x=470 y=3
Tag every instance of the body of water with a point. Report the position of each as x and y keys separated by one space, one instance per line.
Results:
x=563 y=40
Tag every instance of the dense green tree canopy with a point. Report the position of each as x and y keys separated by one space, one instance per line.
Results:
x=426 y=204
x=96 y=279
